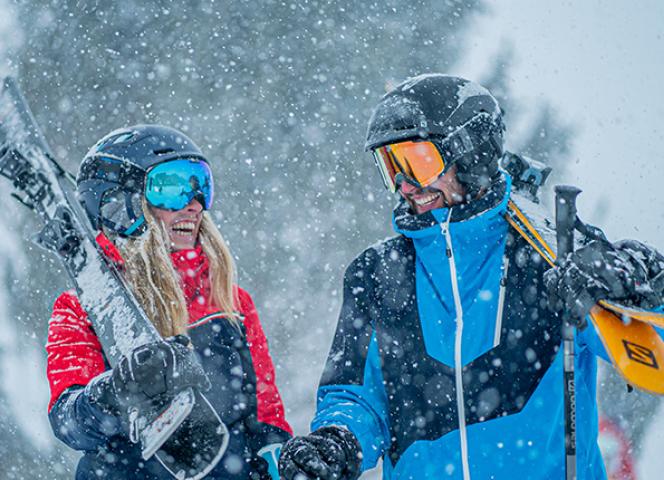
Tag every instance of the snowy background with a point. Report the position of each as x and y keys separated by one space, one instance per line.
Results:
x=278 y=95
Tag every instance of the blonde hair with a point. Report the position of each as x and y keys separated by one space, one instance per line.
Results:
x=157 y=285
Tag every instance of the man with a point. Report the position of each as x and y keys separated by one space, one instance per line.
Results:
x=446 y=361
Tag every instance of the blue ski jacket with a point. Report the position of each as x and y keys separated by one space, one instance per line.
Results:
x=446 y=362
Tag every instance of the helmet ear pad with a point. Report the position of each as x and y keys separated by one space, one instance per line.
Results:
x=90 y=195
x=477 y=170
x=112 y=202
x=122 y=212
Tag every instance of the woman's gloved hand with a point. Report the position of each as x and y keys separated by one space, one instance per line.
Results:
x=151 y=371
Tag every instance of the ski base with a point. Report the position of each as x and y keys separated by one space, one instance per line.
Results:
x=152 y=435
x=197 y=445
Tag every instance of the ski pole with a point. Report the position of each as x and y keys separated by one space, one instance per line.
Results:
x=565 y=221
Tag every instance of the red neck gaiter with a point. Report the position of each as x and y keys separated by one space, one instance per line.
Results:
x=193 y=267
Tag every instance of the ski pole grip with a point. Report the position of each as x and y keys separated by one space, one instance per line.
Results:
x=565 y=219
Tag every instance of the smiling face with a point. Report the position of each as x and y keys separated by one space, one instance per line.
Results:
x=182 y=225
x=446 y=191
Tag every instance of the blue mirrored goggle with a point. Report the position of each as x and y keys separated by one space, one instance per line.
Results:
x=172 y=185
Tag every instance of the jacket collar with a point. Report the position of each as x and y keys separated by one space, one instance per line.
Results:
x=484 y=209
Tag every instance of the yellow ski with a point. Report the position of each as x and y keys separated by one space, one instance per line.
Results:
x=653 y=318
x=636 y=350
x=634 y=347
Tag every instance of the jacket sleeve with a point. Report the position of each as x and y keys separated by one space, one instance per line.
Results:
x=351 y=392
x=74 y=354
x=270 y=408
x=79 y=423
x=590 y=339
x=74 y=357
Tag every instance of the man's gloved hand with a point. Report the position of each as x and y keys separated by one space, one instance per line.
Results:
x=149 y=372
x=329 y=453
x=597 y=271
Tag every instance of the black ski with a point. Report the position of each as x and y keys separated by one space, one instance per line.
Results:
x=185 y=434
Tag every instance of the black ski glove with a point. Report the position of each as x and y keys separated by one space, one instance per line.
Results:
x=329 y=453
x=151 y=371
x=601 y=271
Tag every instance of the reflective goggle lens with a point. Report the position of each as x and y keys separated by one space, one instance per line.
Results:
x=419 y=161
x=386 y=168
x=172 y=185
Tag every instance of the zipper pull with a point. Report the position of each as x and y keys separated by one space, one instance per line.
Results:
x=443 y=230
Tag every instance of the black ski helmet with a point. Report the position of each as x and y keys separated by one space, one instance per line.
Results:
x=111 y=178
x=460 y=117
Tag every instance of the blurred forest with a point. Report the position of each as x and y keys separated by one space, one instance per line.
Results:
x=277 y=94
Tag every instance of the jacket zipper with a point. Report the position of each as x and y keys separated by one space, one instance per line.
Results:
x=501 y=302
x=458 y=367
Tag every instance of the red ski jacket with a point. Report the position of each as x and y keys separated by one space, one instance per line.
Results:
x=75 y=355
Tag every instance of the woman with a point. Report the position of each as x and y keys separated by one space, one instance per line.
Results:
x=148 y=188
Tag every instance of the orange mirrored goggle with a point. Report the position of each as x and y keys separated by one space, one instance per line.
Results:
x=420 y=162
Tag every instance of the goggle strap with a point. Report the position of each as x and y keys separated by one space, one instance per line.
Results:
x=135 y=226
x=497 y=142
x=466 y=140
x=129 y=206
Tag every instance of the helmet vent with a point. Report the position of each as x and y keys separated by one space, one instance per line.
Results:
x=163 y=151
